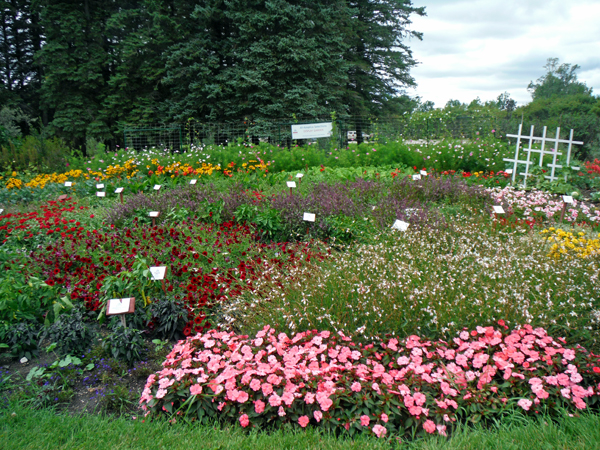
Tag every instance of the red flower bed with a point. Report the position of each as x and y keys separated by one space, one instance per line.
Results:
x=47 y=221
x=208 y=263
x=385 y=387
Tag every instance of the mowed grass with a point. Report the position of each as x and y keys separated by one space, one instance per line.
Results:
x=22 y=428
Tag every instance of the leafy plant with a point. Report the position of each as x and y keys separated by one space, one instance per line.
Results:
x=70 y=333
x=23 y=340
x=125 y=343
x=170 y=315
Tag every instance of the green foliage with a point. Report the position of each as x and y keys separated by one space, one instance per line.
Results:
x=126 y=344
x=170 y=316
x=70 y=333
x=23 y=340
x=559 y=80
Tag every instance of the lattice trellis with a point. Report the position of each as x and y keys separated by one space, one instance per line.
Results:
x=554 y=151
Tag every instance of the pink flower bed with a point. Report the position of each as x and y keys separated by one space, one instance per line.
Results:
x=393 y=387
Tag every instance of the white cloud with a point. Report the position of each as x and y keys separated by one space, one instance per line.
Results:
x=486 y=47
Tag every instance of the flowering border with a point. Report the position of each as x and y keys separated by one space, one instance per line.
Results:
x=407 y=387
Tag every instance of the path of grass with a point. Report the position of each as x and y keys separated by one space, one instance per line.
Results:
x=43 y=429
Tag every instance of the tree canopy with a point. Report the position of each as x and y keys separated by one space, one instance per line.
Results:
x=88 y=67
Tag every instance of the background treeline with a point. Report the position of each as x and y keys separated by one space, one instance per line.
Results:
x=87 y=67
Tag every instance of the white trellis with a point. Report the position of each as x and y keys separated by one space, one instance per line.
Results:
x=554 y=151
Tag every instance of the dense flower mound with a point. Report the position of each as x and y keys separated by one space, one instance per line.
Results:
x=389 y=387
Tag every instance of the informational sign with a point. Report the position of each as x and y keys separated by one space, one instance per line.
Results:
x=416 y=177
x=100 y=186
x=68 y=183
x=312 y=130
x=120 y=306
x=291 y=184
x=400 y=225
x=100 y=194
x=509 y=171
x=118 y=190
x=575 y=168
x=154 y=213
x=309 y=217
x=299 y=175
x=567 y=199
x=158 y=273
x=498 y=209
x=193 y=181
x=157 y=187
x=423 y=172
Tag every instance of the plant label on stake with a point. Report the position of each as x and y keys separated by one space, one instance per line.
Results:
x=119 y=191
x=291 y=185
x=400 y=225
x=1 y=210
x=416 y=177
x=566 y=199
x=68 y=183
x=508 y=171
x=157 y=187
x=498 y=209
x=120 y=306
x=193 y=181
x=423 y=172
x=308 y=217
x=158 y=274
x=100 y=186
x=299 y=176
x=100 y=194
x=154 y=215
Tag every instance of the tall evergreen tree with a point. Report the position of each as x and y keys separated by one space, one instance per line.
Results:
x=379 y=57
x=76 y=60
x=261 y=60
x=20 y=38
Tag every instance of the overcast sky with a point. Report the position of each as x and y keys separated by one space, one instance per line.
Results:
x=483 y=48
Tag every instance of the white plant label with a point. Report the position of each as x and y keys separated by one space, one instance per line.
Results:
x=100 y=186
x=100 y=194
x=416 y=177
x=498 y=209
x=158 y=273
x=118 y=190
x=157 y=187
x=68 y=183
x=1 y=211
x=309 y=217
x=423 y=172
x=400 y=225
x=193 y=181
x=567 y=199
x=509 y=171
x=119 y=305
x=154 y=213
x=299 y=175
x=575 y=168
x=291 y=184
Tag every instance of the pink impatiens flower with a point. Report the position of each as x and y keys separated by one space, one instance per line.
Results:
x=244 y=421
x=303 y=421
x=259 y=406
x=525 y=404
x=379 y=430
x=429 y=426
x=318 y=415
x=355 y=386
x=195 y=389
x=364 y=420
